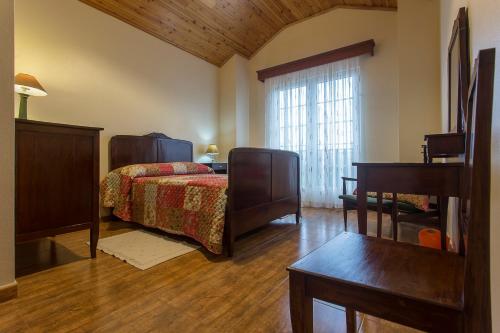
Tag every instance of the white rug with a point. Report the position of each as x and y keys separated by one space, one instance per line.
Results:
x=144 y=249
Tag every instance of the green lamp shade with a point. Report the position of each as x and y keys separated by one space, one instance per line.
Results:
x=212 y=150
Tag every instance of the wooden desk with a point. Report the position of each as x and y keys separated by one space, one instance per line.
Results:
x=440 y=179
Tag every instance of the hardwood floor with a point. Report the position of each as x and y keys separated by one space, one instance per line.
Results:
x=62 y=290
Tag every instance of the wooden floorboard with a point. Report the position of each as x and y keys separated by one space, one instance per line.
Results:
x=62 y=290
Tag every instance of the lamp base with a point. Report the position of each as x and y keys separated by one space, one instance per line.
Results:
x=23 y=106
x=212 y=157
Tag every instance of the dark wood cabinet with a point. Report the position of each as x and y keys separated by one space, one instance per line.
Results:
x=57 y=180
x=217 y=167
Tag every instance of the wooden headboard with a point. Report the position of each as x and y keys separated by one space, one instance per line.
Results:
x=151 y=148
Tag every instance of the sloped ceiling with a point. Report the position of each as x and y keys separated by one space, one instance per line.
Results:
x=215 y=30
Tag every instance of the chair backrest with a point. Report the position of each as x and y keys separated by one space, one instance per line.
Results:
x=475 y=198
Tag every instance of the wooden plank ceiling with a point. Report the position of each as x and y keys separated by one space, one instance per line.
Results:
x=215 y=30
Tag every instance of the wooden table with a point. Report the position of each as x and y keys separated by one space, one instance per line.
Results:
x=439 y=179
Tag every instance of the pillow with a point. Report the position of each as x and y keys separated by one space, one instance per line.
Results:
x=116 y=186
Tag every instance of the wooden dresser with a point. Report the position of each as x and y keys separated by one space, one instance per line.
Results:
x=57 y=180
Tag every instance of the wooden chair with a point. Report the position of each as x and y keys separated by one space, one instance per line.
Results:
x=400 y=211
x=424 y=288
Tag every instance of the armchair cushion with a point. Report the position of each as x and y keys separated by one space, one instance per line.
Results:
x=421 y=202
x=404 y=207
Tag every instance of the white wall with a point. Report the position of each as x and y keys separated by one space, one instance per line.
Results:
x=419 y=75
x=6 y=142
x=242 y=102
x=233 y=106
x=485 y=33
x=227 y=105
x=338 y=28
x=99 y=71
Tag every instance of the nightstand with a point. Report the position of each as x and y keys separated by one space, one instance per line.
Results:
x=218 y=167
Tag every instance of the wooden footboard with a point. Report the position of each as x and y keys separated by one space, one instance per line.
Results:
x=264 y=184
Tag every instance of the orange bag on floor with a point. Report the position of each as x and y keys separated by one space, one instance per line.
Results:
x=431 y=238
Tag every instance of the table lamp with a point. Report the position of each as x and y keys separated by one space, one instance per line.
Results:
x=212 y=151
x=27 y=85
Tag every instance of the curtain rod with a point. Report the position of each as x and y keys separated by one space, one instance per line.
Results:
x=342 y=53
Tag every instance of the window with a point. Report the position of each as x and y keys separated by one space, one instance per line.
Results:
x=316 y=114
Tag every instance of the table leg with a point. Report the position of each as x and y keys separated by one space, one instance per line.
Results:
x=301 y=306
x=362 y=202
x=351 y=326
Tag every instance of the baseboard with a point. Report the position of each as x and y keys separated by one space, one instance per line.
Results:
x=106 y=218
x=8 y=292
x=109 y=218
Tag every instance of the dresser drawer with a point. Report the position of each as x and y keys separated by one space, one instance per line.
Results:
x=218 y=167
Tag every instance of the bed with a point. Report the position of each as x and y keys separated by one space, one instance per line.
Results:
x=261 y=185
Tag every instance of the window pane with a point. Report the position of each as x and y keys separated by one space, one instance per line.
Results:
x=332 y=117
x=293 y=115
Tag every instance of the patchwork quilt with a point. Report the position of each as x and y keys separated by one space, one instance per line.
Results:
x=182 y=198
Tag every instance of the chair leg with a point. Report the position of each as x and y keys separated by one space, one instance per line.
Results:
x=395 y=216
x=350 y=315
x=461 y=240
x=345 y=217
x=443 y=221
x=301 y=305
x=379 y=214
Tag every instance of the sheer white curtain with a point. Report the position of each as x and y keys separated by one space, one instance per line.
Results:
x=316 y=113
